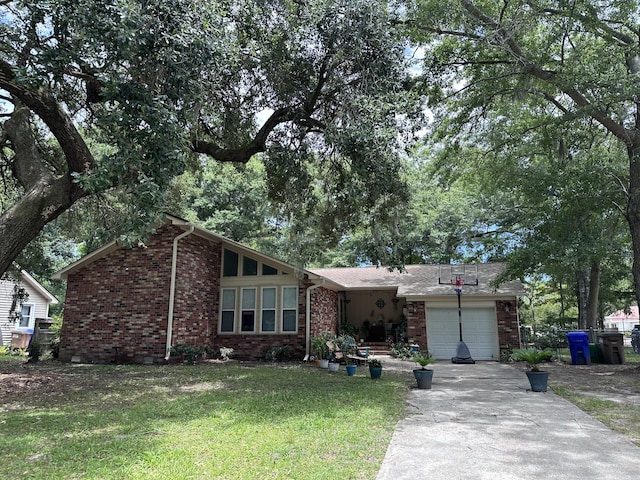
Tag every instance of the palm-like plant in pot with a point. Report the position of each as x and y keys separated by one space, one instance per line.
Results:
x=533 y=357
x=424 y=376
x=375 y=368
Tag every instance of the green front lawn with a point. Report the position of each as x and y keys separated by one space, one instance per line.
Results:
x=208 y=421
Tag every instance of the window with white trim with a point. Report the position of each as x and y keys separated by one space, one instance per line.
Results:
x=268 y=310
x=289 y=309
x=268 y=313
x=27 y=312
x=228 y=317
x=248 y=313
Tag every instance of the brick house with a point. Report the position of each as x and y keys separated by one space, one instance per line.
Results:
x=190 y=286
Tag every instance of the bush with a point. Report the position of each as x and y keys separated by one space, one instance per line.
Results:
x=35 y=351
x=54 y=346
x=190 y=353
x=282 y=353
x=401 y=351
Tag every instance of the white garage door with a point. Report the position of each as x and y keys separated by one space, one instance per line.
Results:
x=479 y=332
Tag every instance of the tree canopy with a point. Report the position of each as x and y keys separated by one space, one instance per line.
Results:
x=123 y=95
x=543 y=94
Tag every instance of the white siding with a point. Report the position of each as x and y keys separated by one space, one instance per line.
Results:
x=36 y=298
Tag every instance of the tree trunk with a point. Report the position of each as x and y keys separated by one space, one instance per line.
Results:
x=594 y=295
x=633 y=212
x=45 y=196
x=21 y=223
x=582 y=294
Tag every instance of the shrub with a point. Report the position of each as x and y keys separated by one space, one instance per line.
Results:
x=35 y=351
x=282 y=353
x=190 y=353
x=401 y=351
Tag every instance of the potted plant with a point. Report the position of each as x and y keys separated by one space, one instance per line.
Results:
x=351 y=367
x=375 y=368
x=347 y=345
x=533 y=357
x=318 y=347
x=321 y=349
x=424 y=376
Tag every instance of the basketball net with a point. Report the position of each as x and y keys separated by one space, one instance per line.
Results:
x=457 y=282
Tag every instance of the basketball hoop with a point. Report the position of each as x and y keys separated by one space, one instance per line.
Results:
x=457 y=282
x=456 y=276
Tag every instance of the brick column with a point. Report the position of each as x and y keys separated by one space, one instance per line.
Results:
x=508 y=328
x=417 y=324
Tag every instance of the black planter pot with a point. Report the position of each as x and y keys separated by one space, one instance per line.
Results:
x=423 y=377
x=538 y=381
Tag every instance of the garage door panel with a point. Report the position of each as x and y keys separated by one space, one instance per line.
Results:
x=479 y=332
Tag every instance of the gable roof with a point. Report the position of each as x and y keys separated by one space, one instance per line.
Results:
x=419 y=280
x=185 y=225
x=35 y=285
x=622 y=315
x=415 y=281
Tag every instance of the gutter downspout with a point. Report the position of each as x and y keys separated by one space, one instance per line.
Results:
x=172 y=289
x=308 y=319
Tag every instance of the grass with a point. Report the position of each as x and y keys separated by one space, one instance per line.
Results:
x=213 y=421
x=623 y=418
x=629 y=355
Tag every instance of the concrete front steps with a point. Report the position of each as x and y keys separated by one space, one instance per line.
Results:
x=376 y=348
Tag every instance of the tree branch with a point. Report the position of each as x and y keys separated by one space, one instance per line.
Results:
x=76 y=152
x=27 y=166
x=257 y=145
x=548 y=76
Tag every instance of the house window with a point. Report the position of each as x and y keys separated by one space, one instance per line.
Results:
x=269 y=309
x=269 y=270
x=266 y=310
x=26 y=314
x=248 y=314
x=228 y=310
x=230 y=268
x=249 y=266
x=289 y=309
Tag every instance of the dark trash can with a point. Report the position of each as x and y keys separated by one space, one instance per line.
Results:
x=612 y=345
x=635 y=338
x=579 y=348
x=596 y=353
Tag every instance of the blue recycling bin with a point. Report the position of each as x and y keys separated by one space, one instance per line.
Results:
x=579 y=348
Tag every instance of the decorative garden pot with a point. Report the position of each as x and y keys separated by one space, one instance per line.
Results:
x=351 y=370
x=375 y=372
x=423 y=377
x=333 y=367
x=324 y=363
x=538 y=381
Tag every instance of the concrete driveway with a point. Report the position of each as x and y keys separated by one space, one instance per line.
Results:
x=480 y=422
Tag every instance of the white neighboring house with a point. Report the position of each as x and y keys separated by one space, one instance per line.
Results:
x=36 y=306
x=623 y=321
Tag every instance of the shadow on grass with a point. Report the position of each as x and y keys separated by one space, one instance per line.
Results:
x=203 y=420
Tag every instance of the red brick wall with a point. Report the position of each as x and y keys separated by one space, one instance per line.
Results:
x=197 y=291
x=116 y=307
x=324 y=311
x=417 y=324
x=508 y=328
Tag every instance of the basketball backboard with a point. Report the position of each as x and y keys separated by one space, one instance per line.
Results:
x=458 y=274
